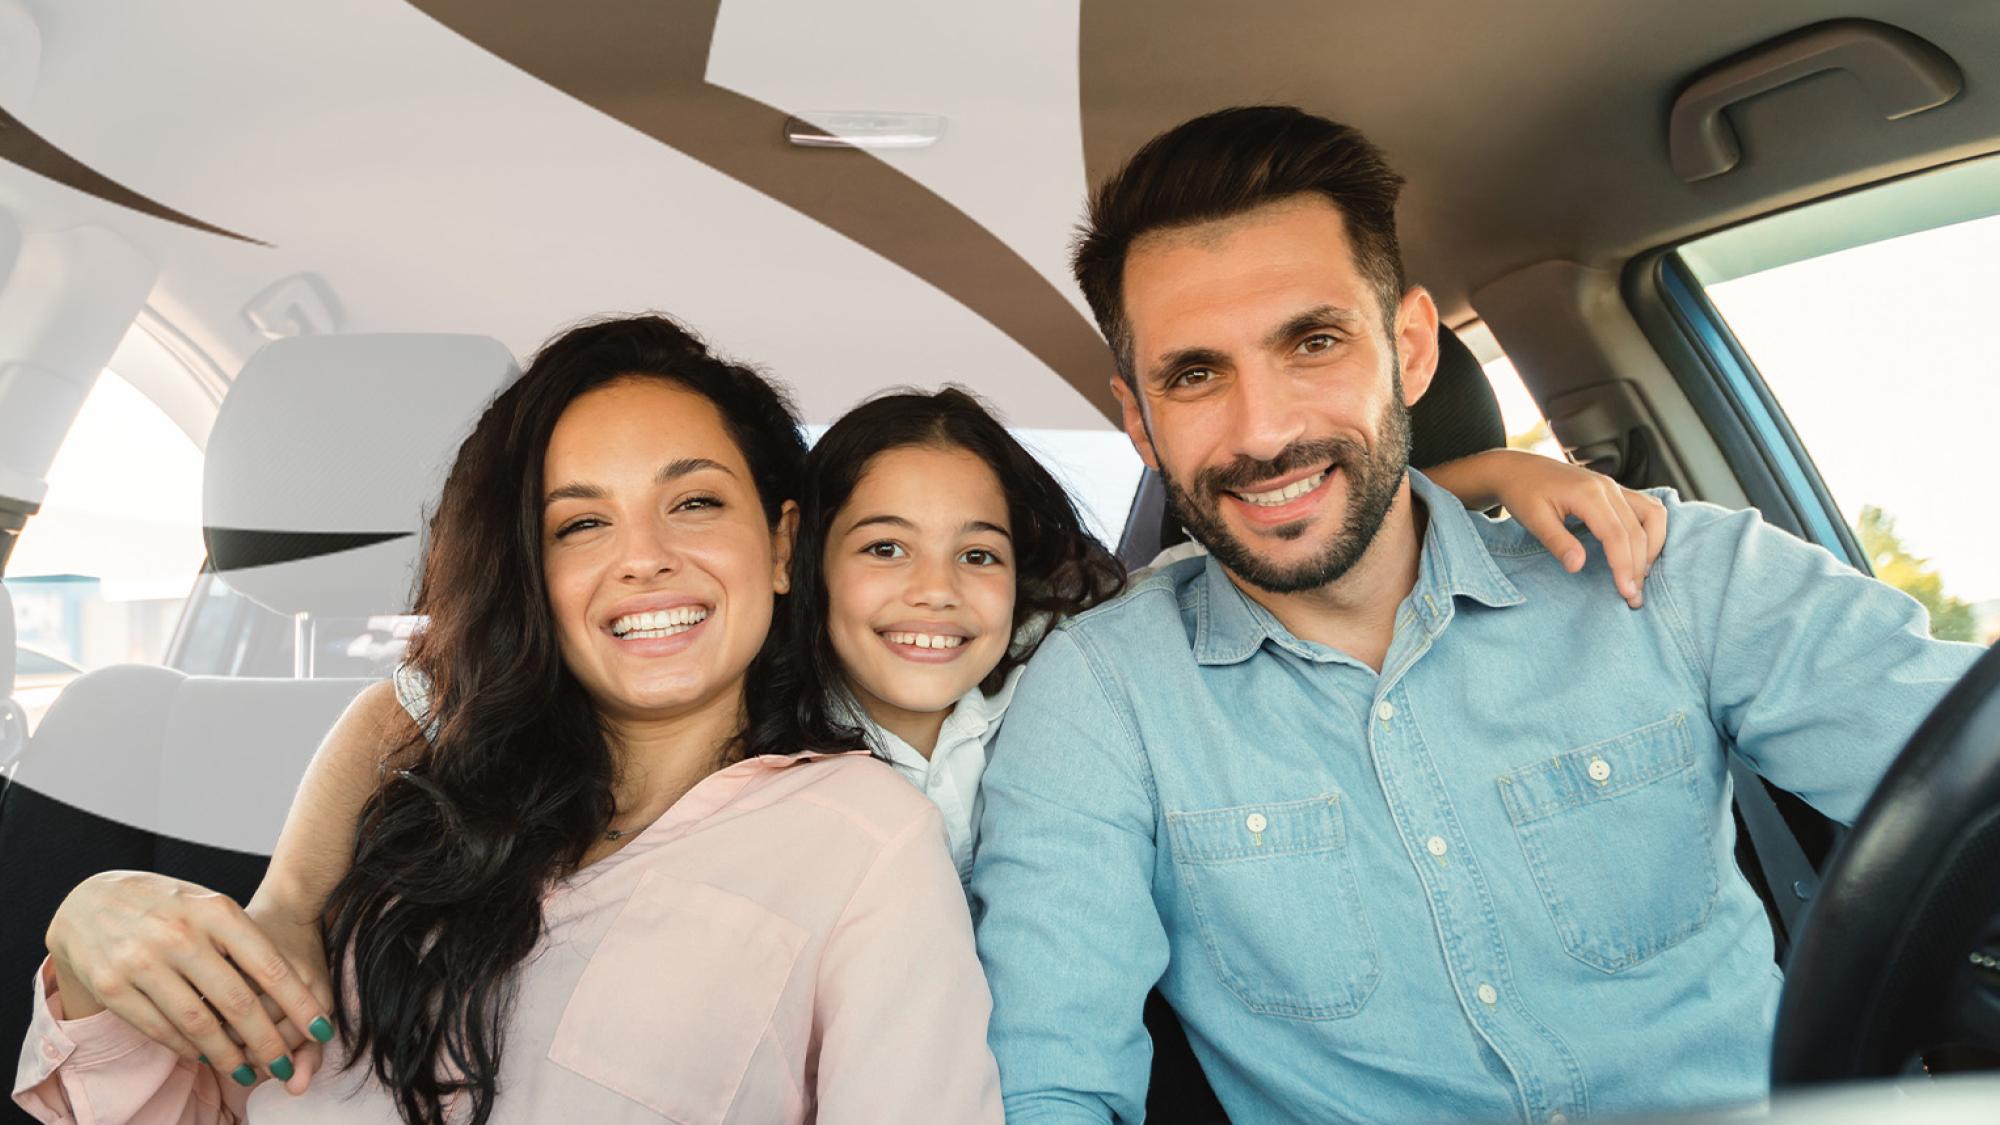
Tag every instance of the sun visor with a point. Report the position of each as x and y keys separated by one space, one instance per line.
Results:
x=325 y=457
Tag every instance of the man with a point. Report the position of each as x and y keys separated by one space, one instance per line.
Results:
x=1403 y=822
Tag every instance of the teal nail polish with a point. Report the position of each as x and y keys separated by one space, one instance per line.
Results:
x=244 y=1075
x=281 y=1068
x=204 y=1060
x=320 y=1029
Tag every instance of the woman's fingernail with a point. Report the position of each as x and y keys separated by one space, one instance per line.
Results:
x=281 y=1067
x=203 y=1059
x=244 y=1075
x=320 y=1029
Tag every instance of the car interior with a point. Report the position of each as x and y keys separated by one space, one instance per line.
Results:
x=319 y=274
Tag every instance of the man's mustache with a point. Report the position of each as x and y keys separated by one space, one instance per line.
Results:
x=1243 y=472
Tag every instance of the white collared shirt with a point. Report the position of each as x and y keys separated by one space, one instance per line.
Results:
x=950 y=776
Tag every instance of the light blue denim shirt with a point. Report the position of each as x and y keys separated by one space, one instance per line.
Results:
x=1496 y=881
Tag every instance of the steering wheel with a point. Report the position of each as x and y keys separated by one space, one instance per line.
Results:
x=1899 y=952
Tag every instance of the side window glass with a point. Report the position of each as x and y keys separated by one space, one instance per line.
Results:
x=1099 y=469
x=101 y=572
x=1881 y=357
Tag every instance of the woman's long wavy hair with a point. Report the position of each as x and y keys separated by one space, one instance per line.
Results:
x=1059 y=567
x=513 y=782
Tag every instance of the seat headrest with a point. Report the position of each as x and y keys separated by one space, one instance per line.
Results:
x=323 y=458
x=1459 y=415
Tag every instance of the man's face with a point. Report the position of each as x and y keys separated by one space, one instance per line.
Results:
x=1272 y=397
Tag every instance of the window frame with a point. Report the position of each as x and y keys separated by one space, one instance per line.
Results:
x=1729 y=394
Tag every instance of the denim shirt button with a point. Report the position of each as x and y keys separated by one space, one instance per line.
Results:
x=1436 y=845
x=1488 y=995
x=1385 y=711
x=1600 y=770
x=1255 y=822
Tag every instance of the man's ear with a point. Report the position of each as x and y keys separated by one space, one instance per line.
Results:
x=1417 y=342
x=1134 y=420
x=783 y=538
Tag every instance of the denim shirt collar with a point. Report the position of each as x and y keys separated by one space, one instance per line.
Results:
x=1454 y=563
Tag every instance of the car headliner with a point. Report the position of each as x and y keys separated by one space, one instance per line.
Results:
x=415 y=159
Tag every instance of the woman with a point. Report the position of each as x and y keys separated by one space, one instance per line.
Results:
x=613 y=882
x=932 y=550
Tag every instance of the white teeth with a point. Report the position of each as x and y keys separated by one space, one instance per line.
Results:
x=1291 y=491
x=664 y=623
x=924 y=640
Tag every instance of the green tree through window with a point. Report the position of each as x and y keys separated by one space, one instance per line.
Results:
x=1951 y=619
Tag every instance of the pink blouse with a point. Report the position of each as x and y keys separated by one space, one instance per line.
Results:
x=789 y=943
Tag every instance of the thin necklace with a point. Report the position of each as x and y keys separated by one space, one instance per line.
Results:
x=618 y=833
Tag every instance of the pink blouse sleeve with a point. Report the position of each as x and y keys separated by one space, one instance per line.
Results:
x=100 y=1070
x=902 y=1005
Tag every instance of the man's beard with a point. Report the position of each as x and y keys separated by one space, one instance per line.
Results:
x=1373 y=479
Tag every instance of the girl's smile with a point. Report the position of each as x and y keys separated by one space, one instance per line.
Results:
x=920 y=585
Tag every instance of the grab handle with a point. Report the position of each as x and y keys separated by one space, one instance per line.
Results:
x=1903 y=73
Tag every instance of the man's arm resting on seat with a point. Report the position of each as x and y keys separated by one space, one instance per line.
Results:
x=1062 y=898
x=1818 y=673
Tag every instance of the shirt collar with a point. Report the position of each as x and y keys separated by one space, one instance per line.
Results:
x=1230 y=625
x=972 y=718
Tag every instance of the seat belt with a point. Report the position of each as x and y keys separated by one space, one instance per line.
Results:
x=1791 y=877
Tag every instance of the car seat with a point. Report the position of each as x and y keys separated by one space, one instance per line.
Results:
x=320 y=462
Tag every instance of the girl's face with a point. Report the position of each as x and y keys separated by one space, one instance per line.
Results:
x=660 y=567
x=920 y=582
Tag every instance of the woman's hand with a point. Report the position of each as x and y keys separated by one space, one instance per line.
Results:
x=1542 y=493
x=191 y=970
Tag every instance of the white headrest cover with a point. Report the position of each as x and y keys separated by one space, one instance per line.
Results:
x=324 y=457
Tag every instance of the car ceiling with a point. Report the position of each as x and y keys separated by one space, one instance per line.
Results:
x=508 y=167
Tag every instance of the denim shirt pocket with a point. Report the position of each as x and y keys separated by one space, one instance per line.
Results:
x=677 y=998
x=1273 y=893
x=1607 y=830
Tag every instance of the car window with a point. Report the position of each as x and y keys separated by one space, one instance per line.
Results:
x=1869 y=320
x=101 y=572
x=1099 y=468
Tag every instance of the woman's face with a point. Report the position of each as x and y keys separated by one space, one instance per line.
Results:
x=660 y=567
x=920 y=581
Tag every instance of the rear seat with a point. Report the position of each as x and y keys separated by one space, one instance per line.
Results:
x=320 y=464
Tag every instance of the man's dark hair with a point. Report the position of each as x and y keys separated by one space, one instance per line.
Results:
x=1226 y=163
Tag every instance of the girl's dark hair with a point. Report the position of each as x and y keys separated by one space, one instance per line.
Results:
x=513 y=782
x=1060 y=568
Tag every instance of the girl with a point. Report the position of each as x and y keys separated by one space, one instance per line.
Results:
x=612 y=881
x=932 y=549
